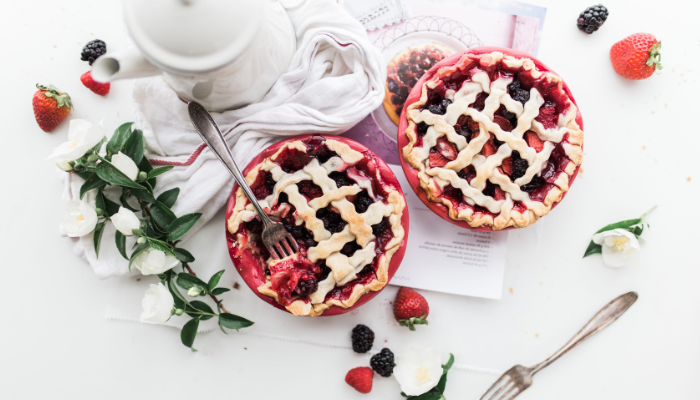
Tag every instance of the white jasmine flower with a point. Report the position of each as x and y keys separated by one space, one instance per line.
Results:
x=80 y=218
x=126 y=165
x=193 y=292
x=154 y=262
x=125 y=221
x=157 y=305
x=418 y=370
x=620 y=247
x=82 y=136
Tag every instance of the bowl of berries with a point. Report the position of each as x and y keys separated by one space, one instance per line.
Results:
x=491 y=139
x=345 y=209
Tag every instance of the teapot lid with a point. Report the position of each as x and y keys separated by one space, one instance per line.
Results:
x=193 y=36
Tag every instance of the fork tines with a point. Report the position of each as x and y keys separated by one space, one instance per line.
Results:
x=505 y=388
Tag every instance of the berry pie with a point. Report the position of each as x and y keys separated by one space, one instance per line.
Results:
x=494 y=138
x=404 y=70
x=342 y=210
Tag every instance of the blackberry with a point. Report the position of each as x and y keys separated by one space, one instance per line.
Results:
x=592 y=18
x=517 y=93
x=440 y=108
x=362 y=338
x=383 y=362
x=362 y=202
x=92 y=50
x=520 y=165
x=341 y=179
x=422 y=127
x=534 y=184
x=306 y=287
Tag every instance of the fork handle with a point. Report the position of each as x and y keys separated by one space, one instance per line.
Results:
x=606 y=316
x=206 y=127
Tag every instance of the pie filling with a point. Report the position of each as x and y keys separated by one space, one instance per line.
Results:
x=344 y=217
x=404 y=72
x=494 y=139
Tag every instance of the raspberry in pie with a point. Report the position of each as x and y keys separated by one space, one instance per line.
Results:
x=343 y=207
x=494 y=138
x=404 y=70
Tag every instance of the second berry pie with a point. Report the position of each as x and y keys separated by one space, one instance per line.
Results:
x=494 y=138
x=343 y=211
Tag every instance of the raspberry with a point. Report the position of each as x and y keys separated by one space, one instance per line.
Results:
x=360 y=379
x=362 y=338
x=383 y=362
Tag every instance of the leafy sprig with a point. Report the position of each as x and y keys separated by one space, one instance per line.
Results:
x=436 y=393
x=160 y=229
x=634 y=226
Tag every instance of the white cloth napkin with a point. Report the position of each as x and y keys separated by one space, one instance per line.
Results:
x=374 y=14
x=334 y=80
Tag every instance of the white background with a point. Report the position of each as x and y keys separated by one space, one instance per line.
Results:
x=641 y=145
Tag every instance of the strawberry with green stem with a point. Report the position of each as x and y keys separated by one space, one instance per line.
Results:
x=410 y=308
x=51 y=106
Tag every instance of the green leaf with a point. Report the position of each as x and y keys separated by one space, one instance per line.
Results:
x=231 y=321
x=182 y=225
x=152 y=232
x=620 y=225
x=179 y=299
x=135 y=146
x=100 y=201
x=183 y=255
x=92 y=182
x=111 y=207
x=162 y=215
x=200 y=306
x=187 y=281
x=446 y=367
x=443 y=379
x=111 y=174
x=160 y=171
x=219 y=290
x=214 y=280
x=97 y=237
x=169 y=197
x=96 y=148
x=140 y=249
x=116 y=142
x=143 y=195
x=124 y=202
x=593 y=249
x=160 y=246
x=120 y=239
x=189 y=332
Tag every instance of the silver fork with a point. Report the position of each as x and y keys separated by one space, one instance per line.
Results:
x=277 y=240
x=517 y=379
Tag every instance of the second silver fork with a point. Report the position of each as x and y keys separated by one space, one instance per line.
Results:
x=275 y=237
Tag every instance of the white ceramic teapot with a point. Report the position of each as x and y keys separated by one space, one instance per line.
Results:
x=225 y=54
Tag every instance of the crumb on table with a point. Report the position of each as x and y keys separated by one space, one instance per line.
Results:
x=511 y=290
x=236 y=285
x=688 y=179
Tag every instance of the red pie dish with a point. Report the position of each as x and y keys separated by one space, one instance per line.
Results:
x=344 y=207
x=491 y=139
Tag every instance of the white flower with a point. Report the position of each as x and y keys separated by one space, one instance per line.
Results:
x=418 y=370
x=193 y=292
x=157 y=305
x=82 y=136
x=64 y=165
x=154 y=262
x=125 y=221
x=80 y=218
x=126 y=165
x=620 y=247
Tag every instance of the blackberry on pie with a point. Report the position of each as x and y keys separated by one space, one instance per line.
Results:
x=404 y=71
x=345 y=217
x=494 y=139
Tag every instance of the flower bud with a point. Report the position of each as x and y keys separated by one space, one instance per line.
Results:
x=142 y=176
x=178 y=311
x=194 y=291
x=64 y=165
x=99 y=211
x=141 y=240
x=92 y=158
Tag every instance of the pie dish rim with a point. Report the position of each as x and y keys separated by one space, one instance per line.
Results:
x=248 y=272
x=412 y=174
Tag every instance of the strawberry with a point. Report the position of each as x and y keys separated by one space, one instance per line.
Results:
x=636 y=56
x=97 y=87
x=489 y=148
x=437 y=160
x=446 y=148
x=51 y=106
x=360 y=379
x=534 y=141
x=410 y=308
x=507 y=166
x=499 y=194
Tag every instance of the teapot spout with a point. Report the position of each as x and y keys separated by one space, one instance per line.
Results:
x=123 y=64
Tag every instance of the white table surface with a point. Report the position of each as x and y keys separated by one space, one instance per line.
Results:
x=641 y=146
